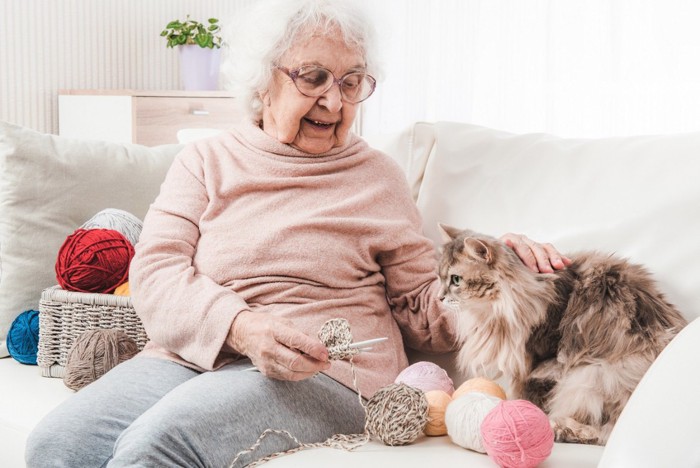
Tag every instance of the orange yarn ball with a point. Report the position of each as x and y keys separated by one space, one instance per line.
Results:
x=94 y=261
x=123 y=290
x=481 y=385
x=437 y=404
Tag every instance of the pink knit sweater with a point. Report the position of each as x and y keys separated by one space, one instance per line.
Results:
x=244 y=222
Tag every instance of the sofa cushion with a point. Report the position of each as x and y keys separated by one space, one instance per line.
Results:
x=48 y=187
x=26 y=398
x=638 y=196
x=658 y=425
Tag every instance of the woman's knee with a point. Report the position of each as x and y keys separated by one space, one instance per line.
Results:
x=52 y=444
x=151 y=443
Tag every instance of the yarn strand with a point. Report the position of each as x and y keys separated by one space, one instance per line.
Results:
x=335 y=334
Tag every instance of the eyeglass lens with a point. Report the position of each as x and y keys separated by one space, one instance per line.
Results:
x=314 y=81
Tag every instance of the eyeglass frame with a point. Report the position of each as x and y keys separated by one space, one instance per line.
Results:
x=294 y=74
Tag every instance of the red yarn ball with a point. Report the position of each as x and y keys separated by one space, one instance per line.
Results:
x=94 y=261
x=517 y=434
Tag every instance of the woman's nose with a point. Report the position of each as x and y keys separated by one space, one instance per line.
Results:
x=332 y=99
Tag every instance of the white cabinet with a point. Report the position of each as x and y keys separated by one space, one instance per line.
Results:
x=144 y=117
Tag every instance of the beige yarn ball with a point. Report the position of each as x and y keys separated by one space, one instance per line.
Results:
x=94 y=353
x=482 y=385
x=397 y=414
x=437 y=404
x=464 y=416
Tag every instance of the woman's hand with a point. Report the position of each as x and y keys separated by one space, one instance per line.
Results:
x=540 y=258
x=276 y=348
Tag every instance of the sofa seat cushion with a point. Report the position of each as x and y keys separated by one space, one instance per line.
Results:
x=429 y=451
x=27 y=397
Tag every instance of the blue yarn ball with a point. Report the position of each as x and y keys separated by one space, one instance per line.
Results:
x=23 y=337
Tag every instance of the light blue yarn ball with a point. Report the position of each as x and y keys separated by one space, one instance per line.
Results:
x=23 y=337
x=119 y=220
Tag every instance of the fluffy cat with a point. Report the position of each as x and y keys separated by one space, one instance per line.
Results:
x=575 y=342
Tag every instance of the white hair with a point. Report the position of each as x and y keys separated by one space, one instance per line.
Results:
x=258 y=38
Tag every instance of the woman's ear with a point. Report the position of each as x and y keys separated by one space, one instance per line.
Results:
x=265 y=97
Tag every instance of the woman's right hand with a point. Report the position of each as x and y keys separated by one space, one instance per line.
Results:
x=276 y=348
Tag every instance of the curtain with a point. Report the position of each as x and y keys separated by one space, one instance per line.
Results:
x=579 y=68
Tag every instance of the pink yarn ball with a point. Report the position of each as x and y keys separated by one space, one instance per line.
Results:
x=517 y=434
x=426 y=376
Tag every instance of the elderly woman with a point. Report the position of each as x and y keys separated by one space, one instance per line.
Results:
x=258 y=237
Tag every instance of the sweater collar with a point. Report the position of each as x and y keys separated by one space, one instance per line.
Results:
x=252 y=134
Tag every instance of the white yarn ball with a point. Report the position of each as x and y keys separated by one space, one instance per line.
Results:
x=118 y=220
x=464 y=416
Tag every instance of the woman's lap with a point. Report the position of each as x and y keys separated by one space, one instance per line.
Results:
x=169 y=415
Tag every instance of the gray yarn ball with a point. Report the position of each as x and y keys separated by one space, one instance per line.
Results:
x=397 y=414
x=118 y=220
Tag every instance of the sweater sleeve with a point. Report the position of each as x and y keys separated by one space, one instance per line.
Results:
x=412 y=284
x=183 y=311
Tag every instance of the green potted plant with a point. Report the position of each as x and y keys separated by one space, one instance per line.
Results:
x=200 y=51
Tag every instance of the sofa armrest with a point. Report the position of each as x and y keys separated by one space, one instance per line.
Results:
x=658 y=427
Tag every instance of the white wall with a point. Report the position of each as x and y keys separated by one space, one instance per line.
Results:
x=47 y=45
x=569 y=67
x=583 y=68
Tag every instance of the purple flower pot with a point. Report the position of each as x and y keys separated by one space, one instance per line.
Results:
x=199 y=67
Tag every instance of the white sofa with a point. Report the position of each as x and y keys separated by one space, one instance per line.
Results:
x=636 y=196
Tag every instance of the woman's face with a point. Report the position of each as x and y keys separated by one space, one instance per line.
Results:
x=311 y=124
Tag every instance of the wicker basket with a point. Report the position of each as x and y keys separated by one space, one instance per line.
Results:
x=64 y=315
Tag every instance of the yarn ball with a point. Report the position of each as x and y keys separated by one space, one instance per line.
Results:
x=464 y=417
x=23 y=337
x=517 y=434
x=94 y=260
x=94 y=353
x=123 y=290
x=481 y=385
x=119 y=220
x=397 y=414
x=437 y=404
x=426 y=376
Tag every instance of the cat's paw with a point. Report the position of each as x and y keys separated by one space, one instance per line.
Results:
x=572 y=431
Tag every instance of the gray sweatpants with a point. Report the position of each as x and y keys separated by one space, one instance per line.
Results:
x=151 y=412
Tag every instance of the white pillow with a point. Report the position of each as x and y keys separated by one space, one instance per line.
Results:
x=48 y=187
x=637 y=196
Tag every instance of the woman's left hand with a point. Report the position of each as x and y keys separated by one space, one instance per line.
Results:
x=540 y=258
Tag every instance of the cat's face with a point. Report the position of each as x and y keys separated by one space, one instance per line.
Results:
x=470 y=267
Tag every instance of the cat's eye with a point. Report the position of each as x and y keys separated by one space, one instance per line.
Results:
x=455 y=280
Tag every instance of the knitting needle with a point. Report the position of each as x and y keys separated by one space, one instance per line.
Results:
x=361 y=344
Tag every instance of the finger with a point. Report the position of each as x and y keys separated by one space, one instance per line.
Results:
x=296 y=361
x=279 y=372
x=522 y=250
x=541 y=256
x=557 y=260
x=294 y=339
x=274 y=363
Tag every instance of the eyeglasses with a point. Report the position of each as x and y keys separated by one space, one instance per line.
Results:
x=313 y=81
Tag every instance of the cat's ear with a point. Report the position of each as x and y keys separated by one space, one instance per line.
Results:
x=448 y=233
x=478 y=249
